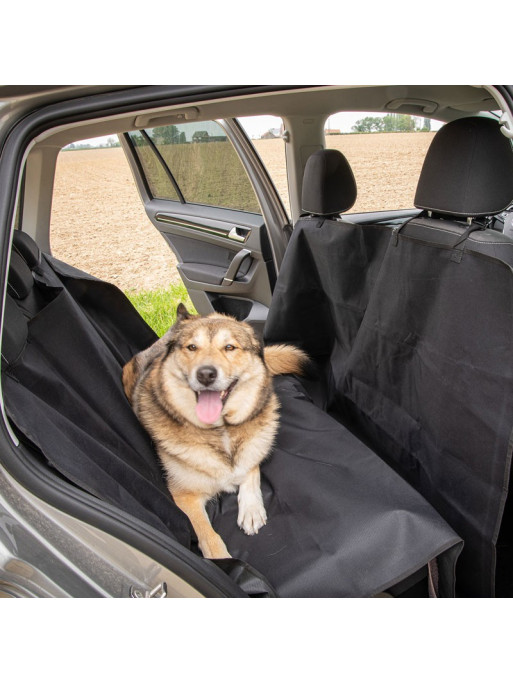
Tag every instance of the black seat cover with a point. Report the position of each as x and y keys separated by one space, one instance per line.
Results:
x=415 y=340
x=329 y=268
x=341 y=522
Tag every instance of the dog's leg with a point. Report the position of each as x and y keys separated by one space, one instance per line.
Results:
x=210 y=543
x=252 y=515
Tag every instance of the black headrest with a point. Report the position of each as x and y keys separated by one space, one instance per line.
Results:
x=20 y=280
x=329 y=186
x=27 y=247
x=468 y=170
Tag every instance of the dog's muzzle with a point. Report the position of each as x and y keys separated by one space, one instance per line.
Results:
x=206 y=375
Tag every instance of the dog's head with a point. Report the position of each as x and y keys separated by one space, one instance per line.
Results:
x=213 y=370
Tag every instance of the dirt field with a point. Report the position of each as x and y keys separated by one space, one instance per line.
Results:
x=99 y=224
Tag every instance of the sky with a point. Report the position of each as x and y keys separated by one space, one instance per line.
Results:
x=255 y=126
x=344 y=121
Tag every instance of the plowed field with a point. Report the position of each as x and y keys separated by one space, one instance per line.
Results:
x=99 y=224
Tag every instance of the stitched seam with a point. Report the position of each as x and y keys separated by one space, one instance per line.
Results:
x=442 y=230
x=490 y=242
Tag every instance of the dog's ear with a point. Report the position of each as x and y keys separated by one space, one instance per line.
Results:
x=171 y=338
x=182 y=314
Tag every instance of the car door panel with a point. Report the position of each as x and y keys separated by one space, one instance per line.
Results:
x=223 y=255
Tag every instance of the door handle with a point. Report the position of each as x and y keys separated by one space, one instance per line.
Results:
x=234 y=266
x=239 y=234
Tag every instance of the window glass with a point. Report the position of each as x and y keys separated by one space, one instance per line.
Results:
x=98 y=222
x=386 y=153
x=160 y=185
x=205 y=165
x=266 y=134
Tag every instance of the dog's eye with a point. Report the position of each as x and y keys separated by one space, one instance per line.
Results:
x=192 y=347
x=229 y=347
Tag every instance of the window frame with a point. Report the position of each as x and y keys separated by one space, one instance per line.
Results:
x=167 y=170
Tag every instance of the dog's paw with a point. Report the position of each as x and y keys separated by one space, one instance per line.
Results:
x=213 y=547
x=252 y=516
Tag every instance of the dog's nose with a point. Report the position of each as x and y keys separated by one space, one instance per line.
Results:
x=206 y=375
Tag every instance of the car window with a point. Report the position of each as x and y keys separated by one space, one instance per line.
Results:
x=98 y=222
x=157 y=176
x=266 y=135
x=194 y=163
x=386 y=153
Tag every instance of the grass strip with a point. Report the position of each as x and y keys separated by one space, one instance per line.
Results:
x=158 y=307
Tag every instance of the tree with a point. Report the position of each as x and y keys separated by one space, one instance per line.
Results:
x=368 y=124
x=398 y=122
x=166 y=135
x=390 y=123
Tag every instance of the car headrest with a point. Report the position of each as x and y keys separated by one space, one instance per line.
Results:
x=20 y=280
x=468 y=170
x=329 y=186
x=27 y=247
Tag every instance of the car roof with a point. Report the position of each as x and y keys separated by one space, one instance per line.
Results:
x=443 y=102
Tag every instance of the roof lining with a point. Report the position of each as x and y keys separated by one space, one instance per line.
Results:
x=317 y=101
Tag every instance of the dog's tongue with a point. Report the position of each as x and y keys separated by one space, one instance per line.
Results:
x=209 y=406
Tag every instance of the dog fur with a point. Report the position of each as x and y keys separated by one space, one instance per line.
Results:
x=204 y=394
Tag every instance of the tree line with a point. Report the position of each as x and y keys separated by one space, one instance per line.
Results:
x=391 y=123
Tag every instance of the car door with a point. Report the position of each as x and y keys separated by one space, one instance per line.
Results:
x=206 y=191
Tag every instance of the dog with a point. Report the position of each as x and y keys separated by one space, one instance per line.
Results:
x=204 y=394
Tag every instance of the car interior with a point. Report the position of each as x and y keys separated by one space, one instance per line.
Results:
x=391 y=469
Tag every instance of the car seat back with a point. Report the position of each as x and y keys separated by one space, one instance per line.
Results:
x=424 y=372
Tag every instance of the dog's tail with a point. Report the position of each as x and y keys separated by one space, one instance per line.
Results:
x=284 y=358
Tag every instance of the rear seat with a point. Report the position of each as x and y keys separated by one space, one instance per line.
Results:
x=419 y=362
x=341 y=522
x=329 y=268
